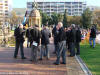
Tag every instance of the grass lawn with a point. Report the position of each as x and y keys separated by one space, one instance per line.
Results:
x=91 y=57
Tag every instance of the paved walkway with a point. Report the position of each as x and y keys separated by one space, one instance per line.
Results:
x=73 y=67
x=11 y=66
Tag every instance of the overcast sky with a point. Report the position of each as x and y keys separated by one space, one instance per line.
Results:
x=22 y=3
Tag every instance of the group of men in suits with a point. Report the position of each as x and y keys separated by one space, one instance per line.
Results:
x=70 y=38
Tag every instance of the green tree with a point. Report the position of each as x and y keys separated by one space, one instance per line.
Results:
x=50 y=21
x=65 y=22
x=96 y=17
x=86 y=18
x=13 y=19
x=76 y=20
x=45 y=18
x=54 y=17
x=60 y=17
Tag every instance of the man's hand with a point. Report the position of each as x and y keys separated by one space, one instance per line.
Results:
x=57 y=27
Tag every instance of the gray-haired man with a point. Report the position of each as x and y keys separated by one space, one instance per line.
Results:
x=61 y=44
x=19 y=37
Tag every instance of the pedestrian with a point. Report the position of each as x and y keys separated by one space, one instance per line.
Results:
x=72 y=40
x=45 y=42
x=29 y=37
x=61 y=39
x=54 y=34
x=78 y=40
x=19 y=37
x=36 y=35
x=92 y=37
x=68 y=38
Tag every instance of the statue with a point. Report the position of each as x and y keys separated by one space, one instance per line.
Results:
x=34 y=5
x=35 y=17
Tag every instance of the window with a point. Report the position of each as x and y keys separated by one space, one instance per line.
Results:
x=6 y=1
x=29 y=6
x=76 y=9
x=1 y=4
x=6 y=4
x=6 y=7
x=6 y=11
x=6 y=14
x=29 y=3
x=80 y=9
x=69 y=13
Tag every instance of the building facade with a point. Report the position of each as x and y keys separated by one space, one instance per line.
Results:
x=73 y=8
x=4 y=11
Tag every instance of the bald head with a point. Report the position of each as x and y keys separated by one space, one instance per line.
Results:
x=60 y=24
x=21 y=26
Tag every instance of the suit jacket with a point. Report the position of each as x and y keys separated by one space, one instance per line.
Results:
x=78 y=35
x=45 y=36
x=36 y=35
x=19 y=35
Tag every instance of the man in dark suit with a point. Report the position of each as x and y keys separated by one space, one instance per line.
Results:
x=68 y=38
x=61 y=39
x=45 y=42
x=78 y=40
x=29 y=37
x=54 y=33
x=36 y=35
x=19 y=37
x=72 y=40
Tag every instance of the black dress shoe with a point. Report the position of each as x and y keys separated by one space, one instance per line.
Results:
x=30 y=60
x=24 y=58
x=40 y=59
x=77 y=53
x=55 y=63
x=63 y=63
x=71 y=56
x=15 y=57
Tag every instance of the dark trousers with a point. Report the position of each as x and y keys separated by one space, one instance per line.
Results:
x=34 y=53
x=56 y=47
x=77 y=47
x=45 y=51
x=72 y=49
x=68 y=46
x=19 y=44
x=61 y=51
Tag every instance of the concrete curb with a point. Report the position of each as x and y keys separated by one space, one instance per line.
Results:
x=83 y=66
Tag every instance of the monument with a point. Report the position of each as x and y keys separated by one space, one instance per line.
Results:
x=34 y=17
